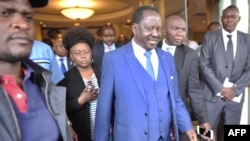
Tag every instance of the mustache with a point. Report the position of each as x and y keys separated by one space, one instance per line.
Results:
x=154 y=38
x=20 y=35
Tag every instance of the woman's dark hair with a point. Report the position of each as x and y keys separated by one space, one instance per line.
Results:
x=76 y=35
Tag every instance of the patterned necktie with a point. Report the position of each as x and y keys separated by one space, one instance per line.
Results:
x=230 y=55
x=63 y=68
x=149 y=66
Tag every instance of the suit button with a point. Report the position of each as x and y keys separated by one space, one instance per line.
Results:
x=146 y=133
x=226 y=67
x=146 y=114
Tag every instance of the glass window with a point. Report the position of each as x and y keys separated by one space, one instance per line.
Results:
x=243 y=24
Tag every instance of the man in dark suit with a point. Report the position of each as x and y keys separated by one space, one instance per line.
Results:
x=224 y=81
x=138 y=99
x=108 y=35
x=61 y=54
x=186 y=61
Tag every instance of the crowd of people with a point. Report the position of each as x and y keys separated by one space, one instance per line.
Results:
x=74 y=88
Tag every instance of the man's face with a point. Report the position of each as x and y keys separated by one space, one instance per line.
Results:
x=16 y=30
x=108 y=36
x=147 y=33
x=175 y=31
x=230 y=19
x=58 y=47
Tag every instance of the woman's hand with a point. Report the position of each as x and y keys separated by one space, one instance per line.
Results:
x=88 y=94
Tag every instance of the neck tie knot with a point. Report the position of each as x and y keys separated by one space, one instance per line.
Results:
x=148 y=54
x=169 y=49
x=229 y=37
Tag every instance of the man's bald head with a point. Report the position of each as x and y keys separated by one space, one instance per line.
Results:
x=175 y=30
x=172 y=18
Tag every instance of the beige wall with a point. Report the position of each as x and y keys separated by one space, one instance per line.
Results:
x=38 y=32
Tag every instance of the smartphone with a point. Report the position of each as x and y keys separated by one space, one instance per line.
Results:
x=201 y=130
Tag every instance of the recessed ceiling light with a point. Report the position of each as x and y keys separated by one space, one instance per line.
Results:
x=77 y=24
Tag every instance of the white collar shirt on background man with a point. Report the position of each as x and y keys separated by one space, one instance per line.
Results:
x=168 y=48
x=109 y=48
x=64 y=61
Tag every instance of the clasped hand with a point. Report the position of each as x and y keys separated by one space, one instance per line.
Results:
x=228 y=93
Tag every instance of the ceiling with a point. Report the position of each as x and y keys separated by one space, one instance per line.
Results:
x=117 y=12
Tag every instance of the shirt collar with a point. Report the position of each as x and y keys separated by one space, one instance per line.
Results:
x=225 y=33
x=29 y=73
x=140 y=50
x=58 y=57
x=165 y=45
x=105 y=45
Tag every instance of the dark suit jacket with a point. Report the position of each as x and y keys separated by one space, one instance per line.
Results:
x=79 y=115
x=186 y=61
x=70 y=64
x=98 y=51
x=213 y=64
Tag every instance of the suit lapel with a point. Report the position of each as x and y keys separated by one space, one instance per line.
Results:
x=102 y=49
x=166 y=64
x=70 y=63
x=133 y=65
x=221 y=47
x=240 y=50
x=179 y=56
x=163 y=62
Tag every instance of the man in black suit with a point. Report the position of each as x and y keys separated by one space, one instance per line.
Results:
x=108 y=43
x=186 y=60
x=216 y=69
